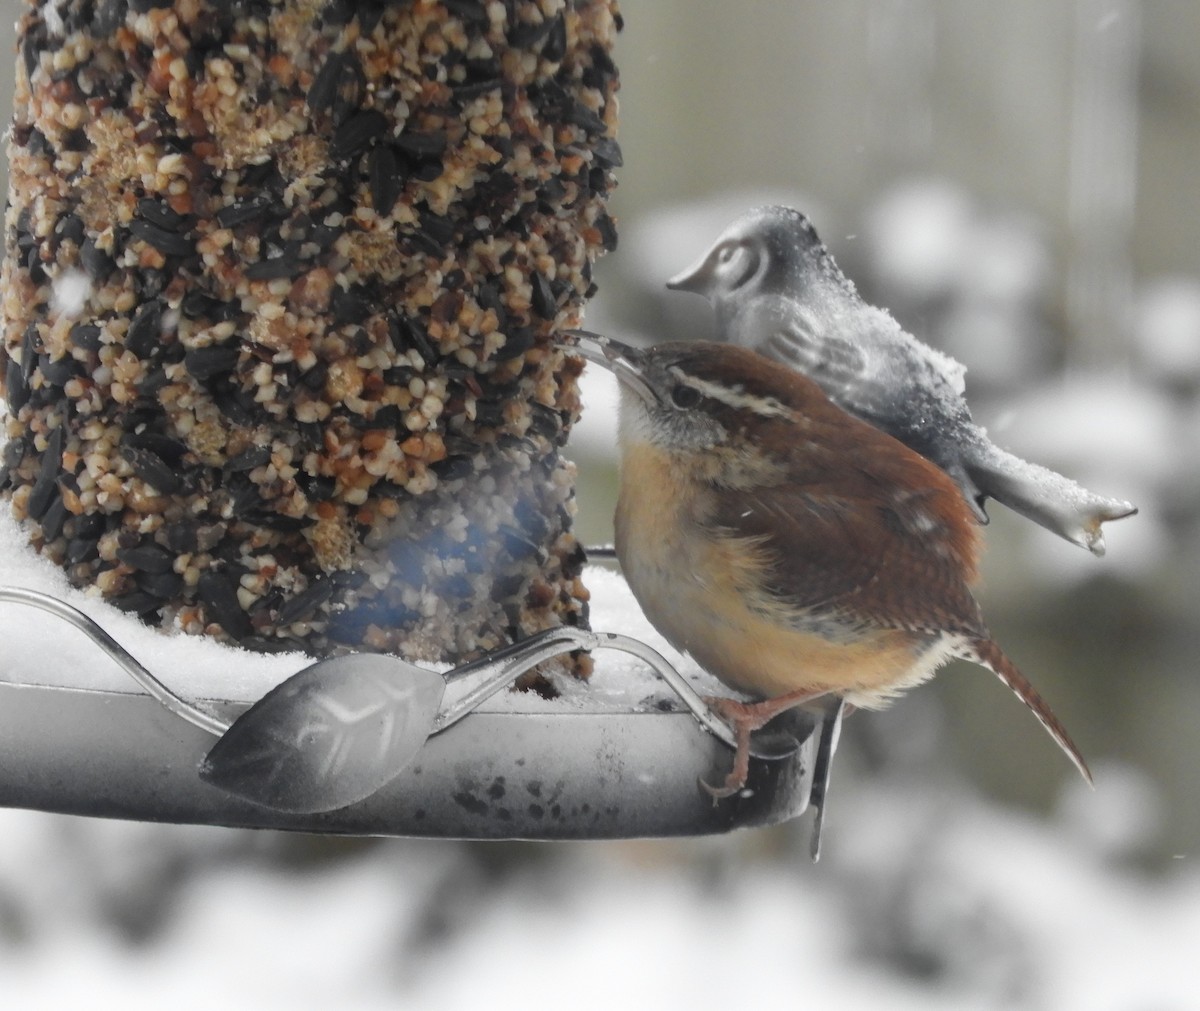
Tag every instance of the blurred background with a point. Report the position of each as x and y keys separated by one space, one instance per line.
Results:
x=1016 y=182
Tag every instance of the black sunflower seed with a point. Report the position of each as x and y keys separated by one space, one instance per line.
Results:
x=473 y=89
x=384 y=169
x=161 y=585
x=33 y=263
x=152 y=468
x=337 y=70
x=304 y=603
x=273 y=644
x=489 y=413
x=584 y=118
x=248 y=459
x=439 y=229
x=220 y=600
x=516 y=342
x=16 y=389
x=350 y=305
x=454 y=468
x=389 y=418
x=160 y=213
x=425 y=244
x=607 y=151
x=147 y=558
x=542 y=296
x=162 y=239
x=556 y=45
x=369 y=14
x=86 y=336
x=428 y=171
x=317 y=487
x=406 y=334
x=488 y=297
x=95 y=261
x=54 y=519
x=323 y=236
x=45 y=488
x=199 y=304
x=531 y=520
x=314 y=379
x=60 y=371
x=243 y=494
x=31 y=349
x=70 y=228
x=206 y=364
x=31 y=50
x=182 y=538
x=349 y=627
x=92 y=525
x=545 y=421
x=338 y=12
x=82 y=549
x=145 y=332
x=107 y=17
x=389 y=490
x=277 y=521
x=506 y=587
x=526 y=35
x=311 y=436
x=138 y=602
x=358 y=130
x=263 y=176
x=241 y=211
x=232 y=404
x=155 y=380
x=608 y=231
x=14 y=452
x=467 y=10
x=288 y=264
x=422 y=145
x=165 y=446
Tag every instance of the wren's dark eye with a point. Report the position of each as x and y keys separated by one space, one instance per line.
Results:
x=685 y=397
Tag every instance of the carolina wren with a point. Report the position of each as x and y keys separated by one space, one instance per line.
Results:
x=793 y=550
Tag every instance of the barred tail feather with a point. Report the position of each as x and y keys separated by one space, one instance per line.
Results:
x=991 y=656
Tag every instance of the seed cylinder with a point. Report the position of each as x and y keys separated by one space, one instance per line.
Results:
x=280 y=285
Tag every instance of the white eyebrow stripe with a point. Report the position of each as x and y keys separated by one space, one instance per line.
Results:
x=733 y=396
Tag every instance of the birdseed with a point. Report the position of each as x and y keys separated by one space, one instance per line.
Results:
x=280 y=286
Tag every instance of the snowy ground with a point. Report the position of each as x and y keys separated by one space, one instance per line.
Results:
x=926 y=898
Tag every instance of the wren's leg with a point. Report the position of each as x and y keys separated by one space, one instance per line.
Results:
x=745 y=718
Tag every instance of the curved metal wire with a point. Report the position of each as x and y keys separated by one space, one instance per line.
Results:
x=185 y=710
x=500 y=669
x=493 y=672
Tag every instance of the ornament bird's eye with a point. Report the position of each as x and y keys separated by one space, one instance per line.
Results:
x=737 y=264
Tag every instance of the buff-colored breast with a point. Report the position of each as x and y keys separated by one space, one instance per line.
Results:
x=701 y=592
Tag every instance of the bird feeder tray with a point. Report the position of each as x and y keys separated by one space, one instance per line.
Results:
x=514 y=767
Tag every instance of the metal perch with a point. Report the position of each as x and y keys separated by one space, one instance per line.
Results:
x=327 y=742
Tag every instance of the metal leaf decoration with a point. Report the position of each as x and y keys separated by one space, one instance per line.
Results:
x=329 y=736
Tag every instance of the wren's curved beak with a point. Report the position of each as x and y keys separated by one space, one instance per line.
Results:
x=697 y=278
x=625 y=362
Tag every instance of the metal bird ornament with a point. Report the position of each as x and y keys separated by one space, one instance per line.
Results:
x=776 y=288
